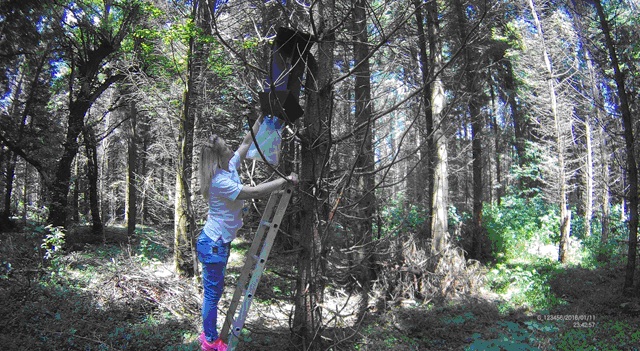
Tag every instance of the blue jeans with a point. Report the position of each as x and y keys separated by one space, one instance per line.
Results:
x=214 y=257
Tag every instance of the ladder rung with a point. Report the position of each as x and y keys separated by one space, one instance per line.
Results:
x=268 y=224
x=257 y=258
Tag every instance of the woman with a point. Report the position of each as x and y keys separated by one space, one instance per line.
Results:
x=221 y=187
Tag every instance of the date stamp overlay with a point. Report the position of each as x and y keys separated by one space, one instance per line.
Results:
x=575 y=320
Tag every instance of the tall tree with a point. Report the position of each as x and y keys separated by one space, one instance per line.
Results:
x=558 y=135
x=629 y=138
x=427 y=151
x=91 y=148
x=88 y=48
x=472 y=89
x=316 y=144
x=131 y=214
x=440 y=201
x=364 y=165
x=184 y=250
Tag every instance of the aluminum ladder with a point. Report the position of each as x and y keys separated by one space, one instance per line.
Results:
x=254 y=266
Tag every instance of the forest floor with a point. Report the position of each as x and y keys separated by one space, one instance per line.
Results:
x=120 y=293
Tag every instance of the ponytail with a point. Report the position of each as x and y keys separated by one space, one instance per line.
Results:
x=209 y=163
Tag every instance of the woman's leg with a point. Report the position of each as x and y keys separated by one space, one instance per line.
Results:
x=214 y=257
x=213 y=282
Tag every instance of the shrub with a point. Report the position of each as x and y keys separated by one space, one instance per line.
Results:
x=517 y=221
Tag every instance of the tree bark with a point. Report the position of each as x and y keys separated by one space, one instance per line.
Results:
x=627 y=123
x=316 y=145
x=310 y=282
x=497 y=148
x=9 y=176
x=472 y=88
x=426 y=152
x=440 y=201
x=91 y=146
x=132 y=169
x=184 y=219
x=364 y=165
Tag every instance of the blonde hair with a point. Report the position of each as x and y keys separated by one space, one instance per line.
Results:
x=210 y=155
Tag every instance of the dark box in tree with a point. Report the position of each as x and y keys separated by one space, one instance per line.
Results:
x=282 y=86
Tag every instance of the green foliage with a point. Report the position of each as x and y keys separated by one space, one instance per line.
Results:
x=608 y=336
x=517 y=221
x=147 y=250
x=512 y=336
x=459 y=319
x=528 y=285
x=400 y=216
x=53 y=241
x=611 y=251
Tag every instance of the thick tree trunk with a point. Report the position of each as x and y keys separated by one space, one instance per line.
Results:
x=184 y=218
x=62 y=176
x=87 y=94
x=364 y=165
x=310 y=282
x=183 y=248
x=627 y=123
x=316 y=145
x=472 y=88
x=427 y=152
x=91 y=146
x=440 y=200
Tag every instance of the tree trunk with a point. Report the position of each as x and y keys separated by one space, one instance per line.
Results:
x=565 y=213
x=78 y=107
x=588 y=210
x=472 y=88
x=606 y=198
x=91 y=146
x=9 y=176
x=520 y=123
x=25 y=196
x=426 y=152
x=314 y=155
x=60 y=185
x=497 y=148
x=440 y=201
x=75 y=206
x=132 y=169
x=597 y=102
x=184 y=234
x=627 y=123
x=364 y=165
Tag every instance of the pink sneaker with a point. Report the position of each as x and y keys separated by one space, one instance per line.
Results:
x=204 y=344
x=217 y=345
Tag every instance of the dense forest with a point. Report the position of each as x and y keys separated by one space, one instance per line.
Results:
x=468 y=172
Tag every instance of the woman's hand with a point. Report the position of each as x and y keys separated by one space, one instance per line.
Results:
x=293 y=178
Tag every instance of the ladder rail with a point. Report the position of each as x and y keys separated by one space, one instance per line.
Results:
x=248 y=265
x=254 y=266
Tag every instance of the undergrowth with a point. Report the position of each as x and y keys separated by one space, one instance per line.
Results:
x=119 y=293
